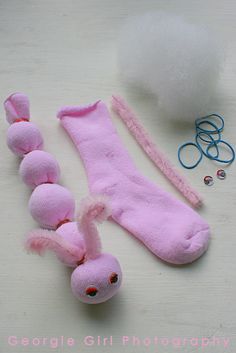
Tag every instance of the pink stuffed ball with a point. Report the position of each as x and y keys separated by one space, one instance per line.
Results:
x=39 y=167
x=97 y=280
x=69 y=231
x=51 y=204
x=24 y=137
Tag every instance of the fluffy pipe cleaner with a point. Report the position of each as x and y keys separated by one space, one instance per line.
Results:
x=158 y=158
x=40 y=240
x=93 y=208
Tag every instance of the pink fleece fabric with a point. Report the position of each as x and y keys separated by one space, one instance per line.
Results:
x=169 y=228
x=69 y=231
x=17 y=107
x=24 y=137
x=96 y=273
x=39 y=167
x=51 y=204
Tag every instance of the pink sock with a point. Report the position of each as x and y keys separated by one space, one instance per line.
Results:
x=169 y=228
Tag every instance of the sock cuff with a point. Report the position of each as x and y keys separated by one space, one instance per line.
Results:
x=76 y=111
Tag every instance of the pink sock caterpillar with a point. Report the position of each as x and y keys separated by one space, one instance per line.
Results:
x=97 y=276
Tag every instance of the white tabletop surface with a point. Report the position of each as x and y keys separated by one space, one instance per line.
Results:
x=64 y=52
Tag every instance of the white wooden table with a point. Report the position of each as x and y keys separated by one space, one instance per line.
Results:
x=64 y=52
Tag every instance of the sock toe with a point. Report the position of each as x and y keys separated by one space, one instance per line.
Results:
x=192 y=247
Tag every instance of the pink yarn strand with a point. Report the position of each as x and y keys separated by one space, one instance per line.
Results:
x=158 y=158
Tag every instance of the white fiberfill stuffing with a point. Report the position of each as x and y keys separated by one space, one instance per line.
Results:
x=177 y=61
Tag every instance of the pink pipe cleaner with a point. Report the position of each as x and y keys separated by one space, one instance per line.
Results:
x=40 y=240
x=92 y=209
x=158 y=158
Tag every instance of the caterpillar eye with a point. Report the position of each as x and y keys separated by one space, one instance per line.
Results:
x=91 y=291
x=113 y=278
x=221 y=174
x=208 y=180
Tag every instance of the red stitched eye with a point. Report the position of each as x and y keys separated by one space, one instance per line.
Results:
x=91 y=291
x=113 y=278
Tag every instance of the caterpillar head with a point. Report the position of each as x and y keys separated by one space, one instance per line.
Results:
x=97 y=276
x=97 y=280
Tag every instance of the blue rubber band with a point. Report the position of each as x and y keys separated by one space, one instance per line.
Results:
x=226 y=161
x=213 y=142
x=206 y=132
x=179 y=155
x=200 y=121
